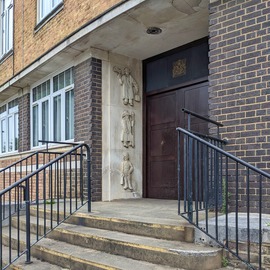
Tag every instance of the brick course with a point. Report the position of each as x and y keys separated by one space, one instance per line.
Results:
x=239 y=80
x=88 y=116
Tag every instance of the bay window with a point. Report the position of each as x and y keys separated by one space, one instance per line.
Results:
x=6 y=26
x=53 y=109
x=9 y=127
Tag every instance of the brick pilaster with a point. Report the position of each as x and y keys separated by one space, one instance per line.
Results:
x=24 y=123
x=88 y=116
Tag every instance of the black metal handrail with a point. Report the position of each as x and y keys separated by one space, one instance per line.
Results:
x=208 y=120
x=202 y=117
x=21 y=168
x=59 y=184
x=211 y=175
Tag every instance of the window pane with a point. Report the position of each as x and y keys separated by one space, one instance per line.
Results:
x=71 y=74
x=3 y=136
x=45 y=8
x=3 y=40
x=44 y=89
x=69 y=115
x=55 y=84
x=48 y=88
x=57 y=118
x=3 y=109
x=38 y=92
x=61 y=80
x=34 y=94
x=55 y=3
x=67 y=77
x=35 y=125
x=10 y=29
x=10 y=134
x=16 y=130
x=45 y=120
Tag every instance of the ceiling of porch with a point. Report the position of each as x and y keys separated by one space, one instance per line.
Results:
x=181 y=22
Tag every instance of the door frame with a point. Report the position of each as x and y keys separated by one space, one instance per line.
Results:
x=145 y=96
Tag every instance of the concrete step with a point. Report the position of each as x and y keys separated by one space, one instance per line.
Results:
x=159 y=251
x=80 y=258
x=21 y=265
x=155 y=230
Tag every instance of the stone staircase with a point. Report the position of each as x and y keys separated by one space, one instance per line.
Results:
x=87 y=241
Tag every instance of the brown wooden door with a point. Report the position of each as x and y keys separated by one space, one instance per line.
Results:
x=163 y=116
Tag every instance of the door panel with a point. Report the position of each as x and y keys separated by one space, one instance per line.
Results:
x=161 y=135
x=163 y=116
x=160 y=142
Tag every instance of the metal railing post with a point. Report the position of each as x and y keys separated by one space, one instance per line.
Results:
x=190 y=179
x=88 y=178
x=1 y=235
x=179 y=172
x=28 y=232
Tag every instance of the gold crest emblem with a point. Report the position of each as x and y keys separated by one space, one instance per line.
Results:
x=179 y=68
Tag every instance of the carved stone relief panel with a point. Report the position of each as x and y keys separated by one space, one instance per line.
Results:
x=126 y=172
x=128 y=129
x=130 y=88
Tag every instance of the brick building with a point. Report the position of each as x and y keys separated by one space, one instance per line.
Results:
x=116 y=74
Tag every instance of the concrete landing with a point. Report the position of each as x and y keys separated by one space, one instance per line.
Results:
x=142 y=210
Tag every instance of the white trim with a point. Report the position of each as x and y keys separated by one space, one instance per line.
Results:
x=65 y=44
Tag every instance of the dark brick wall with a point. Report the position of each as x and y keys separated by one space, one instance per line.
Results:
x=24 y=123
x=239 y=83
x=88 y=117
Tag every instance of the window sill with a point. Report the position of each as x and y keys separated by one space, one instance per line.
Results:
x=6 y=56
x=9 y=154
x=46 y=19
x=54 y=145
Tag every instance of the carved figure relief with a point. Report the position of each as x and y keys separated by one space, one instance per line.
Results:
x=128 y=126
x=126 y=172
x=130 y=89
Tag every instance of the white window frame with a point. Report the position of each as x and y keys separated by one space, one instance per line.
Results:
x=50 y=99
x=6 y=27
x=10 y=115
x=50 y=5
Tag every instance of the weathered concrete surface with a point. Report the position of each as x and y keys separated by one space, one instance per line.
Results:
x=83 y=247
x=231 y=224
